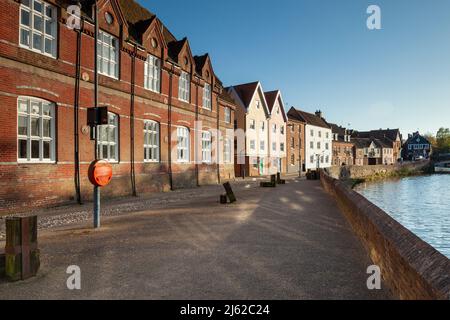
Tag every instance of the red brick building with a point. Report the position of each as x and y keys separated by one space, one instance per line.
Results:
x=295 y=159
x=342 y=146
x=154 y=87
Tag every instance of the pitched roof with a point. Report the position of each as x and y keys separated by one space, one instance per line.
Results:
x=227 y=97
x=361 y=143
x=175 y=47
x=138 y=18
x=309 y=118
x=246 y=92
x=416 y=136
x=200 y=62
x=390 y=134
x=271 y=98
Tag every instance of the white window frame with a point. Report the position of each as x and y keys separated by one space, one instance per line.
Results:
x=281 y=146
x=102 y=132
x=151 y=141
x=152 y=74
x=274 y=146
x=227 y=150
x=252 y=124
x=207 y=96
x=206 y=146
x=183 y=144
x=262 y=145
x=227 y=112
x=184 y=86
x=50 y=35
x=107 y=43
x=263 y=126
x=282 y=130
x=274 y=128
x=28 y=115
x=252 y=144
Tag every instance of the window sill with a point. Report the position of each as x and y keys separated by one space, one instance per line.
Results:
x=153 y=91
x=37 y=51
x=35 y=162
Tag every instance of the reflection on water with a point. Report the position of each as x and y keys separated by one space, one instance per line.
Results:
x=421 y=204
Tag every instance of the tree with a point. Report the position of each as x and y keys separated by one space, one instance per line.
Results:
x=443 y=140
x=431 y=139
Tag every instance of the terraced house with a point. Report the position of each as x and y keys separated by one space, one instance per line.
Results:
x=342 y=146
x=277 y=133
x=318 y=138
x=155 y=89
x=252 y=119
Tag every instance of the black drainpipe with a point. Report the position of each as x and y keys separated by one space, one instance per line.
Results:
x=196 y=135
x=169 y=124
x=76 y=115
x=218 y=139
x=133 y=74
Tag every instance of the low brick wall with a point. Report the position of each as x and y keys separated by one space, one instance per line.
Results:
x=411 y=267
x=361 y=172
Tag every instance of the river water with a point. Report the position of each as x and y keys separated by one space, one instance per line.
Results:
x=420 y=203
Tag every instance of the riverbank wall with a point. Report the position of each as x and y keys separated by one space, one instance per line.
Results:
x=378 y=171
x=409 y=266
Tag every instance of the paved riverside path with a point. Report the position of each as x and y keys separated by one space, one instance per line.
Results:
x=290 y=242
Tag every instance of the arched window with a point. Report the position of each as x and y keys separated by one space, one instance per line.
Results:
x=35 y=130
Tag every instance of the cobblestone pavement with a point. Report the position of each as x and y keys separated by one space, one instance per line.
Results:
x=290 y=242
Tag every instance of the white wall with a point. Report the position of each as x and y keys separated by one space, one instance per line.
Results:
x=326 y=153
x=260 y=116
x=277 y=138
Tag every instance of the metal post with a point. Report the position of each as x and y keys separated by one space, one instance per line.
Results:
x=96 y=189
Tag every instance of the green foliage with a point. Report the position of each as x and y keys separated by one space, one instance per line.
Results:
x=443 y=140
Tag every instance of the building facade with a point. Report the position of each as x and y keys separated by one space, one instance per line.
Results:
x=372 y=152
x=295 y=157
x=252 y=124
x=342 y=154
x=318 y=139
x=277 y=132
x=416 y=147
x=157 y=93
x=391 y=137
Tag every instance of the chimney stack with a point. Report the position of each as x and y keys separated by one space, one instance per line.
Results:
x=319 y=113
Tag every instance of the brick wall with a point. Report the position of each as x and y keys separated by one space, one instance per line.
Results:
x=367 y=171
x=27 y=73
x=409 y=266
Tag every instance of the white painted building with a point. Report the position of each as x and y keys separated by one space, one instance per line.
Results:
x=277 y=132
x=318 y=139
x=252 y=115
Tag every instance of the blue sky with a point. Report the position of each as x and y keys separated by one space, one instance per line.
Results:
x=321 y=55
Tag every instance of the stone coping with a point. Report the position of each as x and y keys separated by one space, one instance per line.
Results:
x=412 y=268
